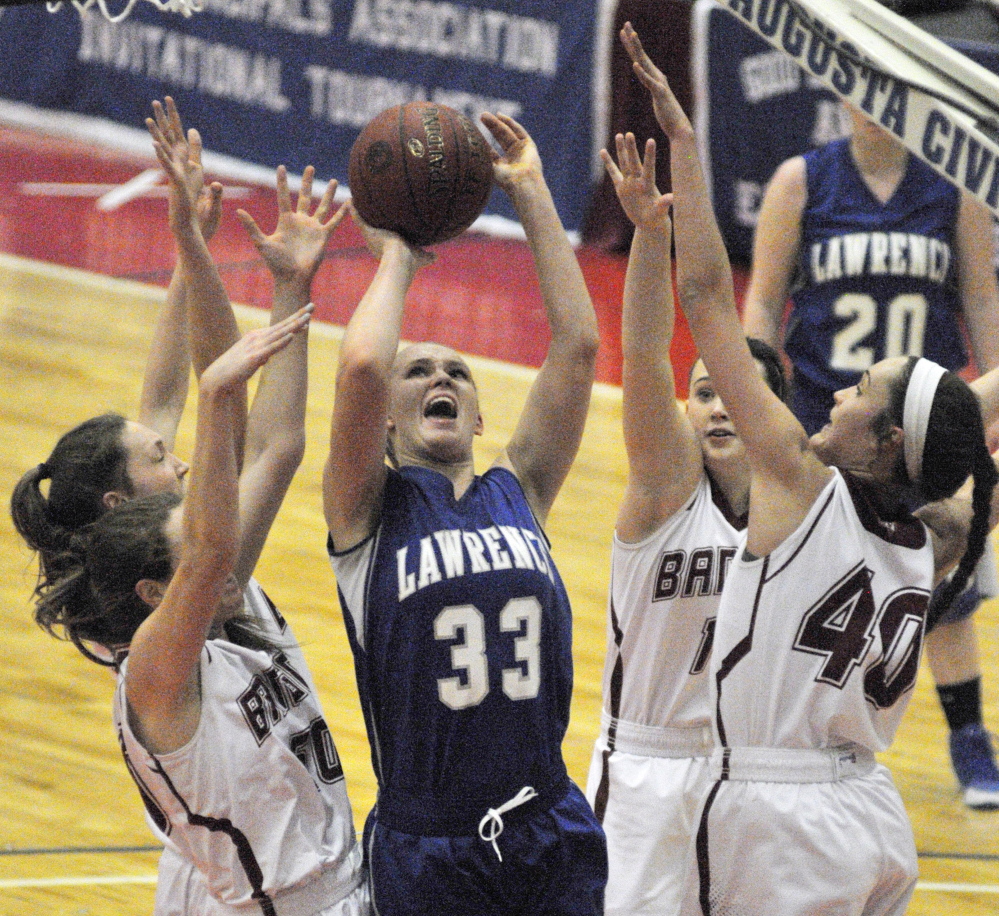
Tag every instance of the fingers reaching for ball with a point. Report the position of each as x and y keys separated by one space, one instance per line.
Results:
x=380 y=240
x=518 y=159
x=295 y=249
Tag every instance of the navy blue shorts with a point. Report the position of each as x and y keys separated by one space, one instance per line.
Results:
x=554 y=864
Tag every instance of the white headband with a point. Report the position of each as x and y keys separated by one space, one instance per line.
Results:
x=916 y=416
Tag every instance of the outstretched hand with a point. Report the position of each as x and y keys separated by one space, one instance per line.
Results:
x=253 y=349
x=295 y=249
x=634 y=183
x=669 y=113
x=519 y=159
x=180 y=156
x=378 y=240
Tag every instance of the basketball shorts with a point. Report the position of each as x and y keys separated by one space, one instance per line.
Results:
x=769 y=841
x=554 y=863
x=650 y=806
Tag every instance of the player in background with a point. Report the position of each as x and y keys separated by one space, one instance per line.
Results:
x=883 y=257
x=820 y=624
x=459 y=621
x=108 y=460
x=685 y=504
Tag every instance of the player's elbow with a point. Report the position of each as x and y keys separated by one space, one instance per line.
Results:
x=362 y=372
x=704 y=291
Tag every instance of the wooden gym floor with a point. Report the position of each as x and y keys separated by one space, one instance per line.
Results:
x=73 y=344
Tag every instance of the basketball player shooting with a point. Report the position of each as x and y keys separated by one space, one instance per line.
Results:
x=457 y=617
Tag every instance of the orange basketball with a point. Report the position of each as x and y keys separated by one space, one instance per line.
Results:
x=421 y=170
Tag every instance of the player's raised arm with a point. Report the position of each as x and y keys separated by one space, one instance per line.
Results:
x=776 y=243
x=211 y=324
x=354 y=475
x=785 y=473
x=162 y=683
x=664 y=457
x=166 y=380
x=974 y=241
x=548 y=433
x=168 y=367
x=275 y=432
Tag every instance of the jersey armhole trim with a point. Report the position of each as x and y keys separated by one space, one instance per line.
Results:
x=333 y=552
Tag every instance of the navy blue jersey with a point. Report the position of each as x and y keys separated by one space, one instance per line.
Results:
x=874 y=280
x=461 y=633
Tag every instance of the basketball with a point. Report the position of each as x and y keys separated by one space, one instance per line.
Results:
x=421 y=170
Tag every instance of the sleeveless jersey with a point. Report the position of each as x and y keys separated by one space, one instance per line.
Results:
x=461 y=633
x=817 y=645
x=876 y=280
x=661 y=616
x=256 y=800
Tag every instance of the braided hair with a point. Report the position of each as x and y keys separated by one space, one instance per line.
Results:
x=773 y=367
x=955 y=449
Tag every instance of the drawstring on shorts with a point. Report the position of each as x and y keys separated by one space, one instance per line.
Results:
x=491 y=826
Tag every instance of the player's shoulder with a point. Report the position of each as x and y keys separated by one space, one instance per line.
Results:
x=788 y=187
x=827 y=167
x=503 y=478
x=790 y=174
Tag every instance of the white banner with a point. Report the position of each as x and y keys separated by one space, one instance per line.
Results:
x=896 y=81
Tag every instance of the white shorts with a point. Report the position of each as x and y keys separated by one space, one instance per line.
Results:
x=650 y=819
x=181 y=891
x=765 y=844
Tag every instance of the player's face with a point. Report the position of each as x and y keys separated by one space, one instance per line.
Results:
x=710 y=420
x=151 y=468
x=434 y=408
x=849 y=440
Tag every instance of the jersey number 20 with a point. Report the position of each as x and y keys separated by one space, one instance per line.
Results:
x=905 y=328
x=465 y=623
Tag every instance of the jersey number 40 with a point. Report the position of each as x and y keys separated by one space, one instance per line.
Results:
x=842 y=627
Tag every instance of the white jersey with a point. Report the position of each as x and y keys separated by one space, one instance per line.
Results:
x=652 y=754
x=256 y=800
x=817 y=645
x=661 y=614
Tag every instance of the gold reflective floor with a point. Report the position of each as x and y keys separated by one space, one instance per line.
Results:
x=71 y=829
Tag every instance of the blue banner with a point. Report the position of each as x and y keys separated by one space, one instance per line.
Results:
x=294 y=81
x=756 y=108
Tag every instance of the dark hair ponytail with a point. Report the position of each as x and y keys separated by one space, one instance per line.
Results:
x=985 y=479
x=93 y=599
x=87 y=462
x=955 y=449
x=68 y=609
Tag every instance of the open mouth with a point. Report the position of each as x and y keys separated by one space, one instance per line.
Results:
x=721 y=434
x=441 y=407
